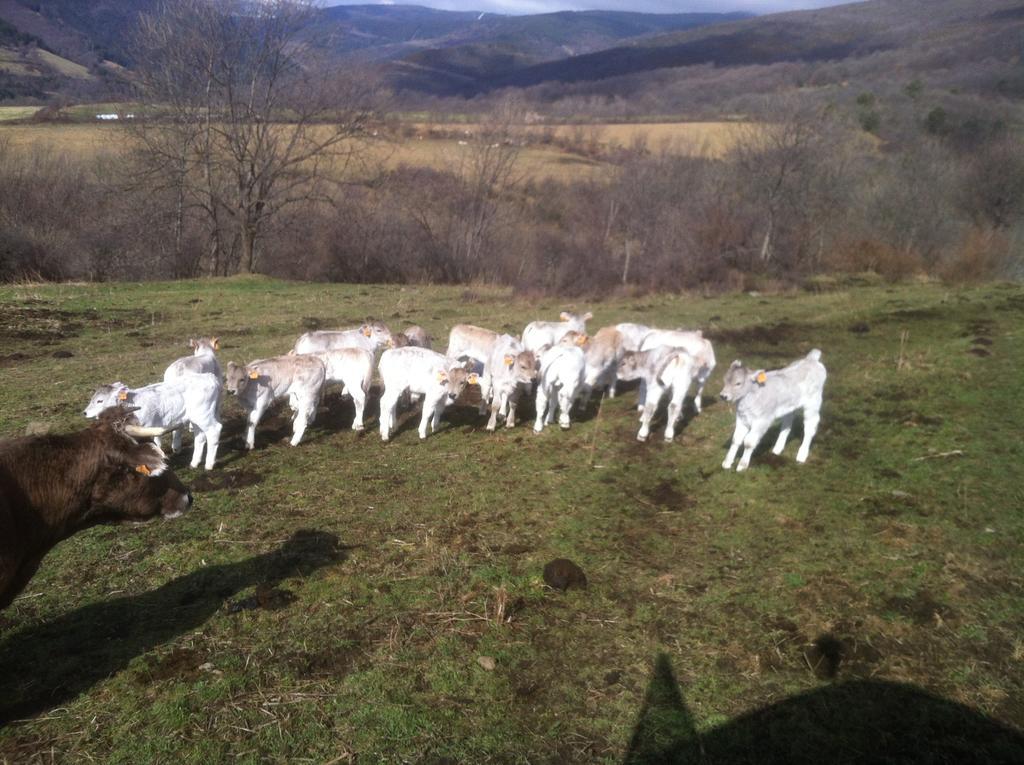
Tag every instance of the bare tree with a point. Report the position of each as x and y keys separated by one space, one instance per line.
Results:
x=240 y=118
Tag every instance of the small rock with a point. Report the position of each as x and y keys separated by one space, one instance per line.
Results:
x=486 y=662
x=562 y=573
x=207 y=667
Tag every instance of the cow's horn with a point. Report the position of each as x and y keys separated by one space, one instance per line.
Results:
x=137 y=431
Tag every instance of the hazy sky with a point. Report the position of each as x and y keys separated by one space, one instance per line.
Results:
x=646 y=6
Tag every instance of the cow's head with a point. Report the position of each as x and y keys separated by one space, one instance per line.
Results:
x=131 y=482
x=204 y=345
x=239 y=377
x=105 y=397
x=572 y=338
x=398 y=340
x=739 y=381
x=523 y=366
x=378 y=333
x=630 y=366
x=455 y=379
x=577 y=320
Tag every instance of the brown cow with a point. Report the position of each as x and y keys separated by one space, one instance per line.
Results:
x=53 y=486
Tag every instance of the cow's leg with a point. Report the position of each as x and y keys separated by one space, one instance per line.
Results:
x=750 y=442
x=427 y=416
x=642 y=397
x=675 y=409
x=492 y=423
x=304 y=415
x=652 y=398
x=199 y=443
x=176 y=440
x=438 y=411
x=541 y=406
x=254 y=419
x=565 y=398
x=486 y=395
x=811 y=419
x=359 y=400
x=512 y=401
x=212 y=442
x=780 y=442
x=388 y=407
x=737 y=440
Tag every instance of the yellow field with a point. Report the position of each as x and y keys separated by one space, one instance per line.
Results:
x=537 y=160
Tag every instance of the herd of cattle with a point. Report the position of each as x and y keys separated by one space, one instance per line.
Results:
x=54 y=485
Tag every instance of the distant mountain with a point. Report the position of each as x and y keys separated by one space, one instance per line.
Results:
x=933 y=33
x=493 y=47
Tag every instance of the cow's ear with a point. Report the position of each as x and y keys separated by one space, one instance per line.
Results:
x=564 y=316
x=509 y=360
x=148 y=460
x=759 y=377
x=192 y=343
x=588 y=316
x=365 y=329
x=442 y=376
x=736 y=364
x=216 y=343
x=254 y=374
x=122 y=395
x=473 y=379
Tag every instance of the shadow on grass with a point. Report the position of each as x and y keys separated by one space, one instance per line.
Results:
x=852 y=722
x=45 y=665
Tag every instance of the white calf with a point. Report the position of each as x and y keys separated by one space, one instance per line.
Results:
x=202 y=360
x=417 y=336
x=603 y=353
x=559 y=382
x=660 y=370
x=420 y=371
x=762 y=397
x=466 y=341
x=541 y=333
x=191 y=399
x=508 y=371
x=353 y=368
x=372 y=337
x=695 y=344
x=259 y=384
x=632 y=335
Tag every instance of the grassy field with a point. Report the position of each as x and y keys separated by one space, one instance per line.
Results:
x=85 y=138
x=354 y=601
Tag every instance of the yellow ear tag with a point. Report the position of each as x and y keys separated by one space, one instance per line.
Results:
x=143 y=469
x=510 y=360
x=442 y=377
x=473 y=379
x=366 y=331
x=581 y=340
x=122 y=396
x=762 y=378
x=254 y=375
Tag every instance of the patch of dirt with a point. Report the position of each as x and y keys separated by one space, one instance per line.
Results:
x=232 y=481
x=860 y=328
x=918 y=313
x=921 y=608
x=828 y=653
x=327 y=662
x=758 y=334
x=515 y=549
x=980 y=352
x=13 y=359
x=562 y=574
x=891 y=504
x=63 y=354
x=179 y=663
x=47 y=325
x=981 y=340
x=666 y=495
